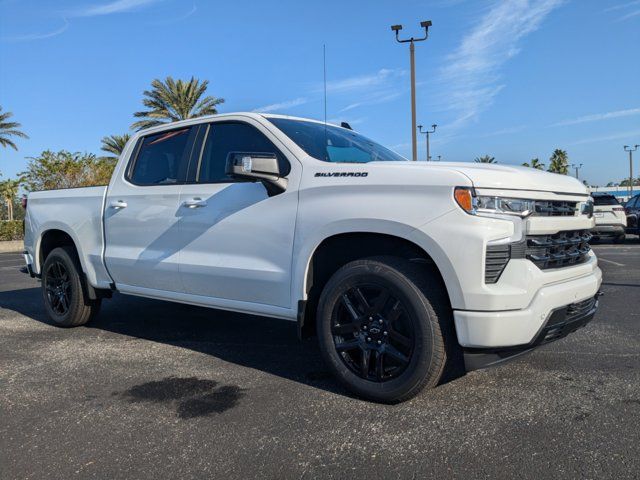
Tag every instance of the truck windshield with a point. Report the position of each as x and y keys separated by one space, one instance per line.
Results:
x=334 y=144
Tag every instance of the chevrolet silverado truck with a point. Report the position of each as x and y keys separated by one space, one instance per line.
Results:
x=404 y=270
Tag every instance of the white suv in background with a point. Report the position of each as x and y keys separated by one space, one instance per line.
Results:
x=610 y=217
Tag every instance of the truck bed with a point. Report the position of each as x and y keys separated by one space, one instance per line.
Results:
x=76 y=212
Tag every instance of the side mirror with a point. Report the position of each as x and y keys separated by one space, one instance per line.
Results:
x=261 y=167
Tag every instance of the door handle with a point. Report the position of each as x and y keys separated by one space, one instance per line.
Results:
x=118 y=204
x=194 y=203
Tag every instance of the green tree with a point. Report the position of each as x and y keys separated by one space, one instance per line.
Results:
x=172 y=100
x=559 y=162
x=535 y=163
x=625 y=182
x=63 y=169
x=485 y=159
x=8 y=193
x=9 y=129
x=114 y=144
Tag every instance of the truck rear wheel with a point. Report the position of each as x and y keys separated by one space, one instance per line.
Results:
x=381 y=327
x=64 y=296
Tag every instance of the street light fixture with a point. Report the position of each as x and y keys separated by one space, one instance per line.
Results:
x=427 y=132
x=396 y=28
x=627 y=148
x=577 y=167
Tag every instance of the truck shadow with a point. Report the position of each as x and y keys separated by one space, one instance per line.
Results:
x=260 y=343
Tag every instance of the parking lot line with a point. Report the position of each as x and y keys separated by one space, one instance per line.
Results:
x=611 y=262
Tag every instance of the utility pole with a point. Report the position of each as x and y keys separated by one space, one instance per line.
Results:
x=427 y=132
x=396 y=28
x=627 y=148
x=577 y=167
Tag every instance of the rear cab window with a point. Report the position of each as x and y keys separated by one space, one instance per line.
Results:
x=162 y=158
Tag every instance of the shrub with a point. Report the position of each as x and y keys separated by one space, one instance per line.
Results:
x=11 y=230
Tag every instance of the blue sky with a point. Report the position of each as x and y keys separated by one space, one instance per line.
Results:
x=512 y=79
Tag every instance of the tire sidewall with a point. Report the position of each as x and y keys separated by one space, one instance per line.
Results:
x=419 y=312
x=62 y=256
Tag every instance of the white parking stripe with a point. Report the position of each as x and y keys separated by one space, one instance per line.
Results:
x=611 y=261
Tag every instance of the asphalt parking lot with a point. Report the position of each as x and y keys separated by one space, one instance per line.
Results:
x=157 y=390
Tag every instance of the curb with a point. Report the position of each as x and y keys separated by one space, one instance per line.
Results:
x=11 y=246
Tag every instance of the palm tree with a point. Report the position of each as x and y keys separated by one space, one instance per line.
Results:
x=485 y=159
x=535 y=163
x=8 y=193
x=9 y=129
x=172 y=100
x=114 y=144
x=559 y=162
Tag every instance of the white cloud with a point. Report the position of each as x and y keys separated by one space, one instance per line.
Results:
x=39 y=36
x=274 y=107
x=598 y=116
x=472 y=74
x=360 y=82
x=629 y=15
x=631 y=135
x=622 y=6
x=179 y=18
x=117 y=6
x=373 y=100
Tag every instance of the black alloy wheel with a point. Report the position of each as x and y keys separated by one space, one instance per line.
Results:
x=384 y=328
x=58 y=287
x=64 y=290
x=373 y=332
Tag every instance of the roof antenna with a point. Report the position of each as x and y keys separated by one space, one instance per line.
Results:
x=324 y=71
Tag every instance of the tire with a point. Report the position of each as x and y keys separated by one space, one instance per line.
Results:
x=63 y=293
x=407 y=330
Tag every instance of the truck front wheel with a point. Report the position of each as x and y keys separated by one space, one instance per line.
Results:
x=64 y=297
x=381 y=328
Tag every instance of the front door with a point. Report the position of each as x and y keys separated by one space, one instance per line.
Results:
x=238 y=239
x=142 y=225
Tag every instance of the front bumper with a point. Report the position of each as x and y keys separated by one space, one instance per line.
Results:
x=608 y=230
x=561 y=322
x=509 y=328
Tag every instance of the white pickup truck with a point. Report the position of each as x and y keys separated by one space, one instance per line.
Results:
x=404 y=269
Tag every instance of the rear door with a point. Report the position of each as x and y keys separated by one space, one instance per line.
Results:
x=238 y=239
x=142 y=226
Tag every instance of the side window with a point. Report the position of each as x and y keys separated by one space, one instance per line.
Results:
x=163 y=158
x=227 y=137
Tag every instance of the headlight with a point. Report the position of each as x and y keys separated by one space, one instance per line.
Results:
x=482 y=204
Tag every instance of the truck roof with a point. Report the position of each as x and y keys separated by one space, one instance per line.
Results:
x=255 y=115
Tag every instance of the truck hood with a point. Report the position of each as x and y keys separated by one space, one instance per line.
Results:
x=507 y=177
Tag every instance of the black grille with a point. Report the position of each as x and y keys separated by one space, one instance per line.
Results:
x=559 y=250
x=496 y=260
x=567 y=319
x=554 y=208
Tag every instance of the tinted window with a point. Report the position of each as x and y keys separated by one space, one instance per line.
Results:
x=633 y=202
x=334 y=144
x=163 y=158
x=224 y=138
x=605 y=200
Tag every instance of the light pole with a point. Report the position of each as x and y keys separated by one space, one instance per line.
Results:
x=427 y=132
x=627 y=148
x=396 y=28
x=577 y=167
